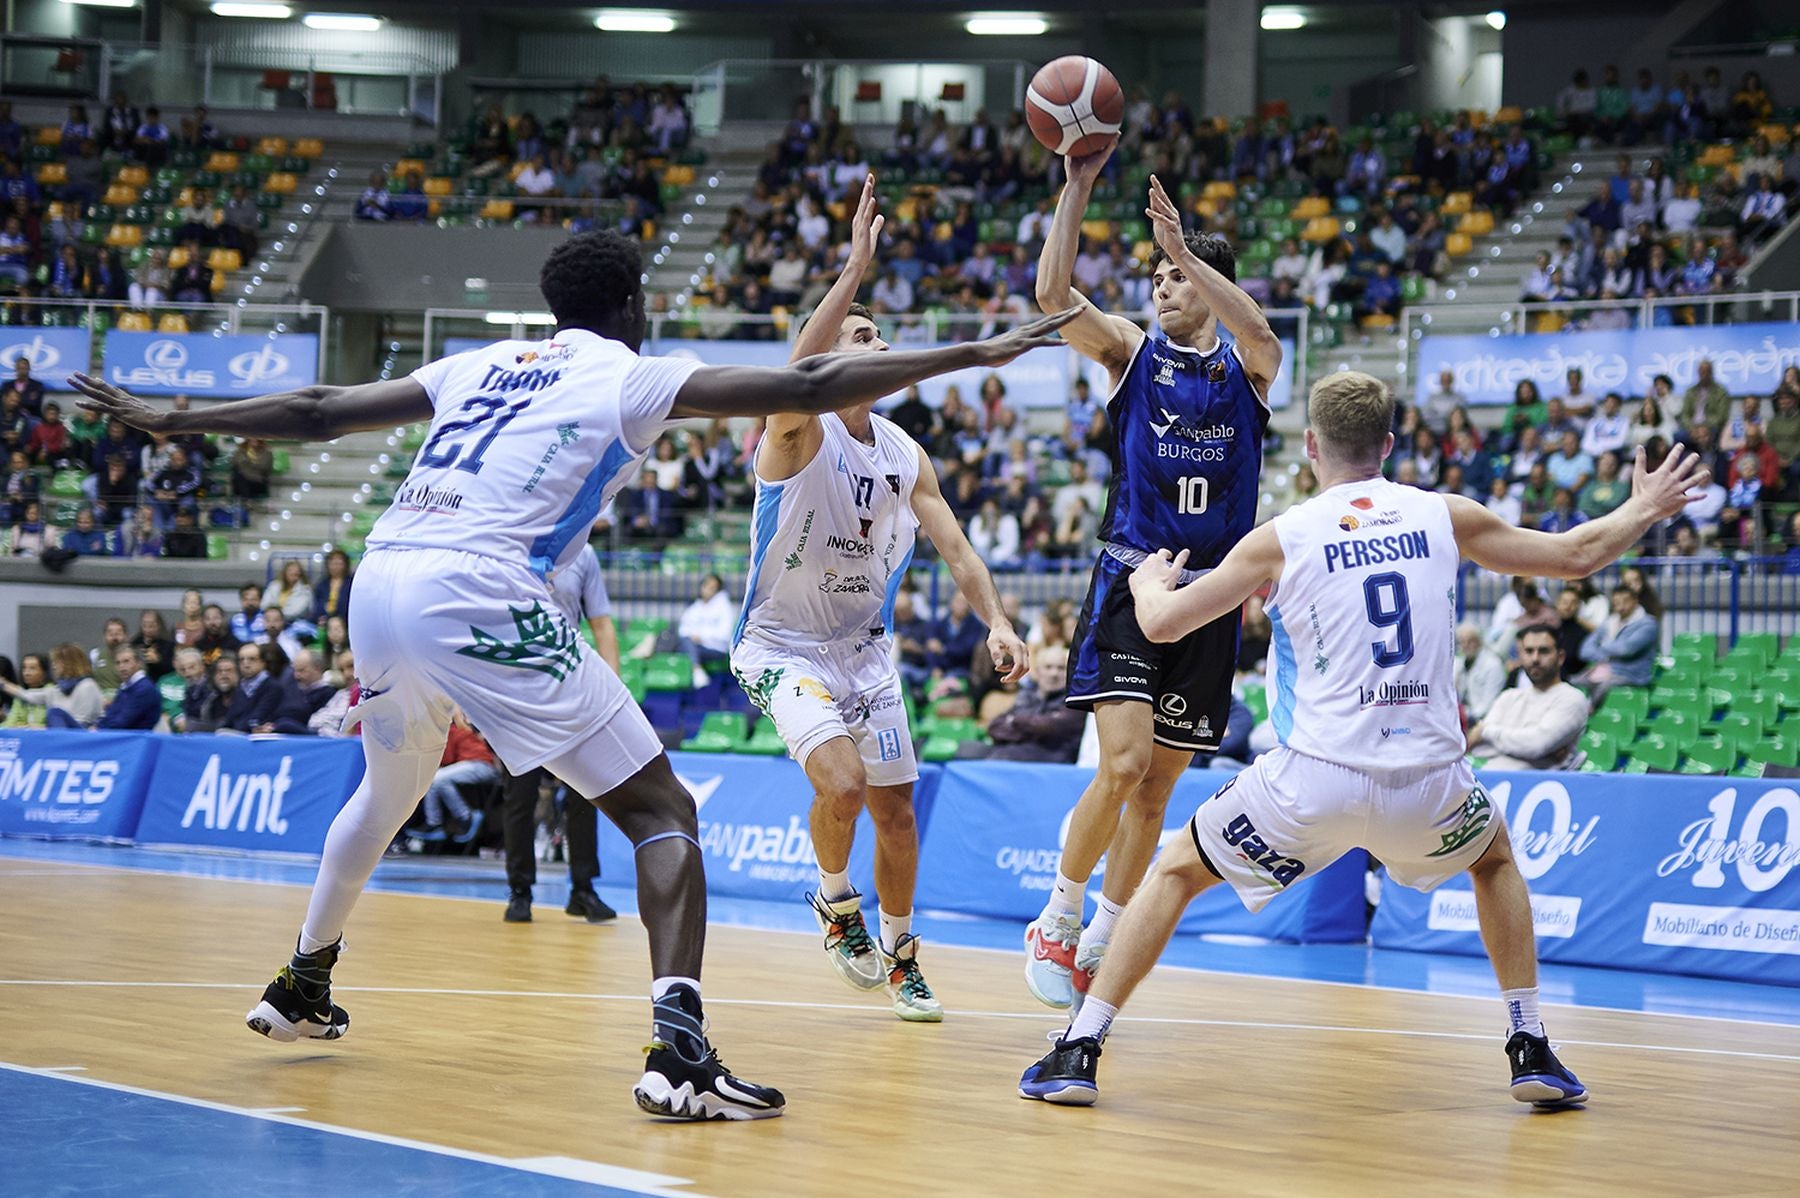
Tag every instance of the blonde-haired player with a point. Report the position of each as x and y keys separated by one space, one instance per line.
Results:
x=1364 y=584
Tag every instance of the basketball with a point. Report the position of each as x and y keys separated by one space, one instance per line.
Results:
x=1074 y=104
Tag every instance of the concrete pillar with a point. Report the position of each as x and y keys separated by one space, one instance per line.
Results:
x=1232 y=30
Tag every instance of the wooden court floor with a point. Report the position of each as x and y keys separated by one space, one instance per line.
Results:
x=522 y=1041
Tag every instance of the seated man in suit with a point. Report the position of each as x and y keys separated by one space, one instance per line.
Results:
x=138 y=705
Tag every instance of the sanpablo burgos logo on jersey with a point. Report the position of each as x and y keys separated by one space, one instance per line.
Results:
x=1182 y=441
x=1539 y=842
x=766 y=852
x=67 y=792
x=1704 y=849
x=250 y=802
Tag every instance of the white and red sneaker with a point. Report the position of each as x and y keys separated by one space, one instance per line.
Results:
x=1081 y=975
x=1050 y=942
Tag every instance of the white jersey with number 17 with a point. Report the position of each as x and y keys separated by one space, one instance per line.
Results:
x=528 y=441
x=1364 y=618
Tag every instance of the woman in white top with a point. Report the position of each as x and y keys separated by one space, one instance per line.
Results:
x=666 y=466
x=1651 y=422
x=292 y=593
x=995 y=535
x=74 y=690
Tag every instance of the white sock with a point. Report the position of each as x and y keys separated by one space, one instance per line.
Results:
x=892 y=928
x=1106 y=914
x=660 y=987
x=1065 y=897
x=312 y=944
x=1521 y=1011
x=833 y=887
x=1092 y=1021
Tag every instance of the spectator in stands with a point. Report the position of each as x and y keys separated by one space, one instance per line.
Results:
x=1740 y=519
x=248 y=625
x=467 y=761
x=138 y=705
x=271 y=703
x=1576 y=104
x=29 y=390
x=1040 y=726
x=375 y=203
x=241 y=223
x=113 y=635
x=12 y=133
x=15 y=252
x=120 y=125
x=293 y=594
x=704 y=630
x=49 y=444
x=1435 y=411
x=961 y=634
x=277 y=633
x=175 y=486
x=1569 y=466
x=1479 y=672
x=88 y=540
x=1608 y=430
x=309 y=680
x=1765 y=210
x=209 y=705
x=410 y=204
x=331 y=594
x=668 y=125
x=1607 y=491
x=252 y=465
x=30 y=535
x=1503 y=501
x=215 y=639
x=1751 y=105
x=1782 y=432
x=155 y=648
x=1623 y=648
x=142 y=538
x=1651 y=420
x=1706 y=402
x=151 y=140
x=1790 y=560
x=34 y=672
x=192 y=284
x=150 y=280
x=328 y=720
x=994 y=534
x=185 y=540
x=1736 y=431
x=22 y=485
x=1538 y=285
x=1536 y=724
x=915 y=639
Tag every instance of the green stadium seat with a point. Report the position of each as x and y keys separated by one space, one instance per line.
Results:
x=719 y=732
x=173 y=690
x=1653 y=753
x=1677 y=727
x=764 y=741
x=940 y=748
x=1633 y=699
x=1602 y=752
x=1615 y=722
x=1693 y=704
x=1739 y=727
x=1764 y=644
x=218 y=547
x=1708 y=756
x=1705 y=643
x=1774 y=750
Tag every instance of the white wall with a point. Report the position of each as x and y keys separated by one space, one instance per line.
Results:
x=1459 y=64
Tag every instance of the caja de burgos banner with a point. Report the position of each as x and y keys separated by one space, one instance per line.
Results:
x=220 y=367
x=1672 y=874
x=74 y=785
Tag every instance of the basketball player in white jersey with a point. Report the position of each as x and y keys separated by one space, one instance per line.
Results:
x=839 y=500
x=528 y=441
x=1363 y=604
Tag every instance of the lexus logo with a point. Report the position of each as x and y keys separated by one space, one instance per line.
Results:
x=1172 y=705
x=165 y=355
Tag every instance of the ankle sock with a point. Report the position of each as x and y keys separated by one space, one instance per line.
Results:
x=892 y=928
x=835 y=886
x=1106 y=914
x=1522 y=1011
x=1065 y=897
x=1092 y=1021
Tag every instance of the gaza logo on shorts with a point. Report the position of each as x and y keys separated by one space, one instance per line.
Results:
x=1242 y=835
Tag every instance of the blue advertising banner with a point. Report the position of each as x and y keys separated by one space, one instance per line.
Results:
x=74 y=785
x=1677 y=875
x=997 y=855
x=754 y=828
x=278 y=793
x=53 y=353
x=234 y=367
x=1747 y=360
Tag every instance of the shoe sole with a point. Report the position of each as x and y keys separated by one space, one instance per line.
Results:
x=1065 y=1094
x=655 y=1096
x=1545 y=1092
x=915 y=1015
x=525 y=918
x=607 y=918
x=265 y=1020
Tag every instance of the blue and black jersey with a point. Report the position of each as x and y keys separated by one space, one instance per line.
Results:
x=1187 y=458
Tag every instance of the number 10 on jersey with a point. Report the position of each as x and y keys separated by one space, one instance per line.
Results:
x=1190 y=495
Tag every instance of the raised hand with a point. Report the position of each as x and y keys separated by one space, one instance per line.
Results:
x=1165 y=219
x=997 y=351
x=1665 y=489
x=1085 y=168
x=865 y=227
x=110 y=402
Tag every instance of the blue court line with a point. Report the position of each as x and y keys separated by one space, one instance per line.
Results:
x=1340 y=964
x=80 y=1136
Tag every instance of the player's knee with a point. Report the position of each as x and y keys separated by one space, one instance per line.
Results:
x=1122 y=771
x=892 y=815
x=1146 y=803
x=843 y=793
x=651 y=803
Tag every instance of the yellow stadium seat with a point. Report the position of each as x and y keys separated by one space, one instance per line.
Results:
x=222 y=161
x=681 y=175
x=223 y=259
x=1476 y=224
x=1321 y=228
x=1716 y=156
x=1310 y=207
x=515 y=170
x=49 y=135
x=440 y=187
x=53 y=174
x=124 y=237
x=1093 y=230
x=133 y=176
x=178 y=257
x=1220 y=189
x=272 y=147
x=281 y=183
x=1547 y=322
x=1457 y=203
x=55 y=211
x=1512 y=114
x=907 y=211
x=184 y=197
x=172 y=322
x=120 y=195
x=406 y=166
x=1207 y=208
x=497 y=210
x=309 y=147
x=1458 y=244
x=1778 y=135
x=134 y=322
x=1377 y=320
x=1143 y=250
x=219 y=280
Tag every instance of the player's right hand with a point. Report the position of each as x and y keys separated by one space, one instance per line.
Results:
x=1665 y=490
x=998 y=351
x=1158 y=572
x=1085 y=168
x=110 y=402
x=865 y=229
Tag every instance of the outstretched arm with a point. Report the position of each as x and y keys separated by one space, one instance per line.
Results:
x=1256 y=342
x=1166 y=613
x=316 y=413
x=791 y=440
x=1108 y=340
x=1011 y=658
x=829 y=382
x=1655 y=495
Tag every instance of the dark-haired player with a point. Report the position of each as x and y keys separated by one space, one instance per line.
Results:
x=840 y=498
x=528 y=440
x=1188 y=413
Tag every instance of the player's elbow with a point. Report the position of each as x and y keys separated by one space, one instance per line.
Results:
x=1159 y=625
x=1054 y=295
x=808 y=390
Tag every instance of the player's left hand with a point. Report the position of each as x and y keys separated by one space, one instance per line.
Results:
x=1160 y=572
x=865 y=229
x=110 y=402
x=1165 y=220
x=1012 y=660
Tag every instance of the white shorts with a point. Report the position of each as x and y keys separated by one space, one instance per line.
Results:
x=437 y=629
x=841 y=688
x=1289 y=816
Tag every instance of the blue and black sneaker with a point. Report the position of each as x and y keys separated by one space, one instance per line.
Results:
x=1538 y=1077
x=1065 y=1075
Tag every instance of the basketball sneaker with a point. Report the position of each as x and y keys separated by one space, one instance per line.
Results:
x=296 y=1007
x=913 y=999
x=1065 y=1075
x=852 y=950
x=1081 y=974
x=683 y=1075
x=1050 y=943
x=1537 y=1076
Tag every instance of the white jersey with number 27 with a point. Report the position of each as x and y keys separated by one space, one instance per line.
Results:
x=528 y=441
x=1364 y=618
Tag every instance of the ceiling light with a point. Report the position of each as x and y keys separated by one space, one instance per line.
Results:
x=1496 y=20
x=1006 y=26
x=512 y=318
x=104 y=3
x=632 y=20
x=250 y=8
x=1283 y=18
x=341 y=21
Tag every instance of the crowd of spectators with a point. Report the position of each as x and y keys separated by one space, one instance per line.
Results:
x=78 y=486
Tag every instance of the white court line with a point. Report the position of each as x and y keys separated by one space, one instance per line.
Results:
x=63 y=1069
x=581 y=1171
x=864 y=1008
x=1008 y=952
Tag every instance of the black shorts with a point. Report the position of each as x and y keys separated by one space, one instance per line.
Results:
x=1187 y=683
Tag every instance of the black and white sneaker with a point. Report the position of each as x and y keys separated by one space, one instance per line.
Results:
x=292 y=1010
x=677 y=1088
x=1065 y=1075
x=1538 y=1077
